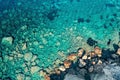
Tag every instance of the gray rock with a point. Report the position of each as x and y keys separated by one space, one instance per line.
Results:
x=111 y=72
x=72 y=77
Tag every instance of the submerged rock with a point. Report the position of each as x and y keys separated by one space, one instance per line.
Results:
x=28 y=56
x=7 y=41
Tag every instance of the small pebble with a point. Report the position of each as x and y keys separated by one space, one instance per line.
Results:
x=80 y=52
x=97 y=50
x=118 y=51
x=24 y=46
x=84 y=57
x=99 y=62
x=67 y=64
x=62 y=68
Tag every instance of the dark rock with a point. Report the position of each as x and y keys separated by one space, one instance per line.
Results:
x=110 y=24
x=114 y=56
x=81 y=72
x=106 y=54
x=52 y=14
x=87 y=76
x=105 y=26
x=108 y=43
x=115 y=47
x=101 y=17
x=98 y=68
x=87 y=20
x=91 y=42
x=7 y=78
x=115 y=15
x=80 y=20
x=57 y=76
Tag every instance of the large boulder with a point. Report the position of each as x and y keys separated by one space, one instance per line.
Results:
x=111 y=72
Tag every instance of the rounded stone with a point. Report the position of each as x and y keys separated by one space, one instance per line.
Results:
x=34 y=69
x=28 y=56
x=20 y=76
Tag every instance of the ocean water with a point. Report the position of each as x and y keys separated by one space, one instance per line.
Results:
x=37 y=35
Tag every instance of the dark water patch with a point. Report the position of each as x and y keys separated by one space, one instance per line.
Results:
x=101 y=17
x=87 y=20
x=109 y=5
x=110 y=24
x=105 y=26
x=52 y=15
x=112 y=20
x=114 y=14
x=71 y=1
x=78 y=0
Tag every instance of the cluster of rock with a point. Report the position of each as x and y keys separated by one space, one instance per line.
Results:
x=83 y=65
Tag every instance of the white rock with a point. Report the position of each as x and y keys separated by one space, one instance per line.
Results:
x=20 y=55
x=84 y=57
x=34 y=57
x=62 y=68
x=20 y=76
x=28 y=56
x=34 y=69
x=24 y=46
x=7 y=41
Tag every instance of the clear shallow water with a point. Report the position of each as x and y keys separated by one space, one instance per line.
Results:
x=52 y=27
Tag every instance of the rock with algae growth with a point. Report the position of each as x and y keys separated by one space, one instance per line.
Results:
x=7 y=41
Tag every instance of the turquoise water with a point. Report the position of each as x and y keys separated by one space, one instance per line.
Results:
x=46 y=29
